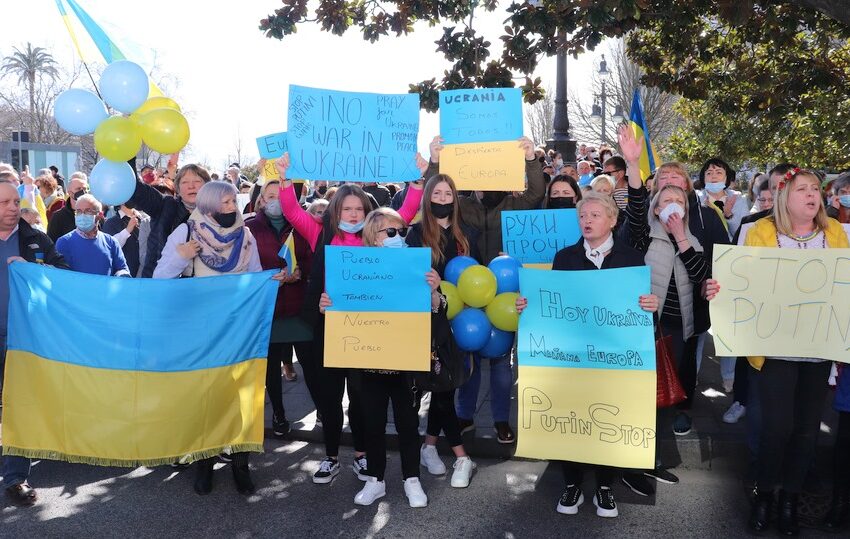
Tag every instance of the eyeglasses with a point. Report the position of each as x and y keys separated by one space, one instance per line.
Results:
x=762 y=200
x=392 y=231
x=91 y=212
x=613 y=170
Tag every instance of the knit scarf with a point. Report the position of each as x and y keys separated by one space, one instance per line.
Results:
x=223 y=250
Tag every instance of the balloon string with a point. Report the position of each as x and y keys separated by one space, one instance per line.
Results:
x=92 y=80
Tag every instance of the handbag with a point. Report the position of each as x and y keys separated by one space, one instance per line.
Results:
x=669 y=390
x=450 y=369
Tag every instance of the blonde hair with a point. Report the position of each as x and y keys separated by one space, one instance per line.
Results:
x=657 y=198
x=678 y=168
x=316 y=205
x=604 y=200
x=601 y=178
x=375 y=221
x=781 y=215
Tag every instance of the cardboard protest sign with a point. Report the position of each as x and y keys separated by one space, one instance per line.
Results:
x=782 y=302
x=271 y=147
x=480 y=115
x=485 y=166
x=352 y=136
x=587 y=368
x=534 y=236
x=381 y=313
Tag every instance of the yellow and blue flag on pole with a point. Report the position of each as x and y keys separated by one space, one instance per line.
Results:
x=135 y=372
x=287 y=253
x=648 y=158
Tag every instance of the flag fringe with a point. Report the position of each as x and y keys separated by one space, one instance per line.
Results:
x=47 y=454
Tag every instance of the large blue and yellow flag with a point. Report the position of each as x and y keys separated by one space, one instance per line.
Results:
x=648 y=158
x=134 y=372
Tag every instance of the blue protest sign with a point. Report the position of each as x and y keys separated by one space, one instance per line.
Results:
x=272 y=146
x=534 y=236
x=351 y=136
x=586 y=319
x=480 y=115
x=372 y=279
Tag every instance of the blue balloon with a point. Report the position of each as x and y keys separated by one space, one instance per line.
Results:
x=499 y=344
x=471 y=329
x=124 y=86
x=112 y=183
x=506 y=270
x=78 y=111
x=456 y=266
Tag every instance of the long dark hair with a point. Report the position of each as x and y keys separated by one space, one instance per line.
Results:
x=562 y=178
x=432 y=235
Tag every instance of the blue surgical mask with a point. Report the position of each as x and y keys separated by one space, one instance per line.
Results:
x=585 y=179
x=395 y=241
x=351 y=229
x=844 y=200
x=273 y=208
x=715 y=187
x=84 y=222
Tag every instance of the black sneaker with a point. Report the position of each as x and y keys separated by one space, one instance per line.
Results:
x=328 y=469
x=661 y=475
x=604 y=502
x=504 y=433
x=280 y=426
x=466 y=425
x=224 y=457
x=359 y=468
x=638 y=484
x=570 y=501
x=682 y=424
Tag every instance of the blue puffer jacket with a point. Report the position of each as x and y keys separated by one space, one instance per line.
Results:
x=842 y=391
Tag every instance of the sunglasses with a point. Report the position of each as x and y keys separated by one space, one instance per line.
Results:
x=391 y=232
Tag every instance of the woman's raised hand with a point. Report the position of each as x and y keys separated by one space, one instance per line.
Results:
x=436 y=147
x=630 y=147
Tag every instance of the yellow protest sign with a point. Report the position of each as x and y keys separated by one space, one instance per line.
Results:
x=597 y=416
x=485 y=166
x=782 y=302
x=269 y=171
x=375 y=340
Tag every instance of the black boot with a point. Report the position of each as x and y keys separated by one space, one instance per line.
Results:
x=786 y=523
x=839 y=512
x=242 y=474
x=204 y=476
x=760 y=513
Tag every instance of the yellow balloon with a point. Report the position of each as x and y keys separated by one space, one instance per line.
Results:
x=455 y=304
x=477 y=286
x=164 y=130
x=154 y=103
x=502 y=311
x=117 y=138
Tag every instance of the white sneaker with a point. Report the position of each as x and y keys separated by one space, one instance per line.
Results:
x=463 y=467
x=734 y=413
x=415 y=495
x=429 y=458
x=371 y=491
x=728 y=385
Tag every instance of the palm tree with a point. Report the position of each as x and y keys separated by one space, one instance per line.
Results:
x=29 y=64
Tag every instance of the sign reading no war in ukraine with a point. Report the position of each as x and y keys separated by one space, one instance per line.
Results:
x=534 y=236
x=782 y=302
x=352 y=136
x=480 y=115
x=586 y=367
x=381 y=313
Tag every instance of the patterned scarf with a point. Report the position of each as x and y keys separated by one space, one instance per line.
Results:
x=224 y=250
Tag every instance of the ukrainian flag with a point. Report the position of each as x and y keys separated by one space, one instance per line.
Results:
x=648 y=158
x=134 y=372
x=287 y=253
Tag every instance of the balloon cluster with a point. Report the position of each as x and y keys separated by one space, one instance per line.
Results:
x=482 y=303
x=156 y=121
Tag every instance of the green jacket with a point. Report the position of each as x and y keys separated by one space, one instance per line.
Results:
x=489 y=220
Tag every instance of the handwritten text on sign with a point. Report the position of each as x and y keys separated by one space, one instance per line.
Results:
x=485 y=166
x=272 y=146
x=534 y=236
x=480 y=115
x=352 y=136
x=782 y=302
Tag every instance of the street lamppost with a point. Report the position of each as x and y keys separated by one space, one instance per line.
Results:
x=561 y=140
x=600 y=105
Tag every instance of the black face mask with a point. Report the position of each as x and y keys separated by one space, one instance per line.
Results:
x=322 y=190
x=441 y=211
x=78 y=194
x=226 y=220
x=491 y=199
x=560 y=203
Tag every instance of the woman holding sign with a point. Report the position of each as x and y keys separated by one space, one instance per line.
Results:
x=443 y=230
x=385 y=228
x=341 y=224
x=597 y=249
x=792 y=390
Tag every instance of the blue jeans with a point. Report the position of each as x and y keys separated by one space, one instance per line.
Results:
x=15 y=469
x=501 y=380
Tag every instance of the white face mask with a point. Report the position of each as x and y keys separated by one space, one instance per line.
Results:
x=669 y=210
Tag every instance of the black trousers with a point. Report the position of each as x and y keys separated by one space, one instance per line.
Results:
x=792 y=399
x=443 y=417
x=842 y=452
x=274 y=384
x=574 y=473
x=741 y=387
x=378 y=391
